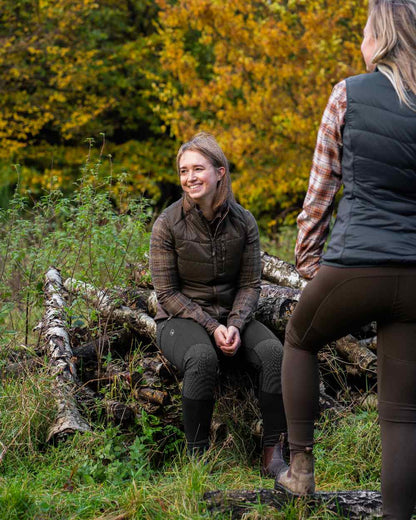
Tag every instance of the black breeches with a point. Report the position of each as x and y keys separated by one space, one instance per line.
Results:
x=187 y=345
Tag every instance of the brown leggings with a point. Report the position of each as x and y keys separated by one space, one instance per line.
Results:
x=335 y=302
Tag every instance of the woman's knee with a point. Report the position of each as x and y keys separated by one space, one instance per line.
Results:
x=201 y=357
x=269 y=351
x=296 y=338
x=270 y=355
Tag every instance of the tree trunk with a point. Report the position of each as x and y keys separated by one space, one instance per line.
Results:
x=276 y=305
x=137 y=320
x=355 y=352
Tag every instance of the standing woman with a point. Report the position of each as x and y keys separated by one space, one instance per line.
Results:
x=205 y=265
x=367 y=142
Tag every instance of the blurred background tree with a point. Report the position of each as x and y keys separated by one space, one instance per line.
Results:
x=75 y=69
x=150 y=73
x=257 y=74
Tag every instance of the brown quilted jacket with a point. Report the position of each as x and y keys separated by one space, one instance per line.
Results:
x=208 y=272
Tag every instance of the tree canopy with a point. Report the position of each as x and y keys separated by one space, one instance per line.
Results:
x=150 y=73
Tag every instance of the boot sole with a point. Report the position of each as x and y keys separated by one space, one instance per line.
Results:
x=280 y=487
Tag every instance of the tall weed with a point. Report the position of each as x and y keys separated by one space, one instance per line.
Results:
x=25 y=414
x=86 y=234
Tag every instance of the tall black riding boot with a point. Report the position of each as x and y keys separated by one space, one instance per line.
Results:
x=197 y=414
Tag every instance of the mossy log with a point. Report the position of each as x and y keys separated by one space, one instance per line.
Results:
x=355 y=505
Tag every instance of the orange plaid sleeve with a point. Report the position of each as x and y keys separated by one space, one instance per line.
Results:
x=324 y=182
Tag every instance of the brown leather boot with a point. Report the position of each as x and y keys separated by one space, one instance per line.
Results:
x=273 y=463
x=299 y=478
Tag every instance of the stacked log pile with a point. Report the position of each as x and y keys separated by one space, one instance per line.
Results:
x=119 y=370
x=123 y=355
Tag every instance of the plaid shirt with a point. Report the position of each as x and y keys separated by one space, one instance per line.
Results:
x=324 y=183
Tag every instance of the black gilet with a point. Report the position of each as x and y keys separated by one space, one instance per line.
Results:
x=376 y=219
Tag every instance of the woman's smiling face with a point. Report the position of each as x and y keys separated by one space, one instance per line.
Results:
x=199 y=178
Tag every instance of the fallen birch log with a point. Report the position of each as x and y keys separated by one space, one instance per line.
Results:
x=357 y=353
x=280 y=272
x=277 y=304
x=274 y=270
x=90 y=352
x=137 y=320
x=61 y=365
x=119 y=413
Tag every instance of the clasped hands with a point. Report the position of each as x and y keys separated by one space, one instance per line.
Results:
x=227 y=339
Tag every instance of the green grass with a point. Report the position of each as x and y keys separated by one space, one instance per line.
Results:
x=348 y=452
x=109 y=474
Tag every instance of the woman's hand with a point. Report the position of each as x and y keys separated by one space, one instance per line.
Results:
x=220 y=336
x=227 y=340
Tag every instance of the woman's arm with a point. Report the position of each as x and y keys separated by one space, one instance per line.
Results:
x=163 y=267
x=324 y=183
x=246 y=299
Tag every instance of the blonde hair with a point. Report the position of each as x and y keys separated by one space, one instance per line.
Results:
x=207 y=145
x=393 y=25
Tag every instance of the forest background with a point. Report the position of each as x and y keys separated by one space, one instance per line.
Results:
x=95 y=99
x=148 y=74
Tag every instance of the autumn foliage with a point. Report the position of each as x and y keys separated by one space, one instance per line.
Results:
x=149 y=74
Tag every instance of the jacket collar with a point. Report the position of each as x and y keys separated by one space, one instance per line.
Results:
x=189 y=205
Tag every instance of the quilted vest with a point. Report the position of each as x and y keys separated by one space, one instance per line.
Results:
x=376 y=219
x=209 y=259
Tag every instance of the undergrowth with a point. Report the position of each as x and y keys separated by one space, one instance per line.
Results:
x=87 y=234
x=110 y=473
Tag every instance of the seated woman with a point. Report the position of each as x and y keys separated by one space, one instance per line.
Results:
x=205 y=265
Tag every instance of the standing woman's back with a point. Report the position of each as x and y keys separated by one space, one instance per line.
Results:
x=376 y=217
x=367 y=142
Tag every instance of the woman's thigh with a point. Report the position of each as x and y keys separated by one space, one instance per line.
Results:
x=254 y=333
x=337 y=301
x=264 y=351
x=396 y=364
x=255 y=339
x=176 y=336
x=396 y=353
